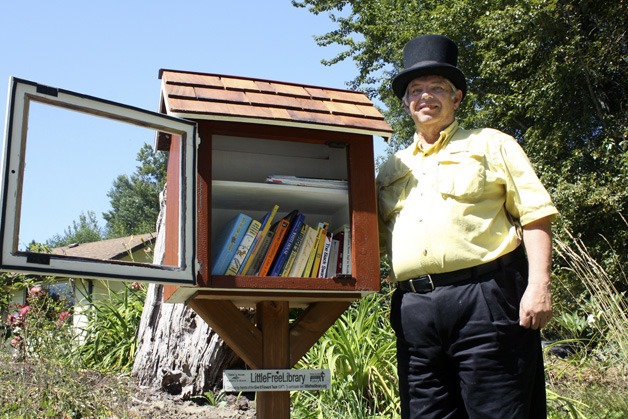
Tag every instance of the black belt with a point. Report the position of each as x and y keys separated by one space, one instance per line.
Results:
x=427 y=283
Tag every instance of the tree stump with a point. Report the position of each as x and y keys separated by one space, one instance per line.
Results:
x=176 y=350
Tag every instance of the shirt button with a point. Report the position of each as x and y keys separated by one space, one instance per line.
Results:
x=425 y=252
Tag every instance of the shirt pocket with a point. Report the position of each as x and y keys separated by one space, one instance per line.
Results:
x=461 y=176
x=392 y=194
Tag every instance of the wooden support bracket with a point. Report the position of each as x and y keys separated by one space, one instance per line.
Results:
x=273 y=343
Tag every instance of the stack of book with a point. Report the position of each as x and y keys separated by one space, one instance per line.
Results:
x=287 y=246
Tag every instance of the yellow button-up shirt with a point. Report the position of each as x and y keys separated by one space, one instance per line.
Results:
x=457 y=204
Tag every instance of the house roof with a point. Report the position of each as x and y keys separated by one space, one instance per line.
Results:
x=197 y=96
x=112 y=249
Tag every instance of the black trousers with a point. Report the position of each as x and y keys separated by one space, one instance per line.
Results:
x=462 y=354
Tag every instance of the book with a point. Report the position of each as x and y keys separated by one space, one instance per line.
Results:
x=321 y=237
x=334 y=252
x=287 y=267
x=243 y=248
x=340 y=236
x=266 y=223
x=322 y=271
x=304 y=253
x=296 y=219
x=259 y=257
x=307 y=181
x=279 y=233
x=345 y=262
x=227 y=242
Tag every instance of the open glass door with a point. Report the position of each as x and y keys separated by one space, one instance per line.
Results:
x=62 y=152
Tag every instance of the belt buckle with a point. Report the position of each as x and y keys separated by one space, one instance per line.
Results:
x=431 y=282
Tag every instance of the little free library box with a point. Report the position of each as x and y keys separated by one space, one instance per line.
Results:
x=258 y=138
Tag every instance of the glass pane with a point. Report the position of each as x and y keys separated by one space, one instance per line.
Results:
x=71 y=162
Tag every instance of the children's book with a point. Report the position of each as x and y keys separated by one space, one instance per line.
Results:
x=322 y=271
x=287 y=267
x=320 y=245
x=303 y=254
x=279 y=233
x=243 y=248
x=296 y=222
x=263 y=231
x=261 y=254
x=226 y=243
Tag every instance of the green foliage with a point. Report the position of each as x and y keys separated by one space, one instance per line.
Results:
x=85 y=230
x=591 y=381
x=135 y=199
x=109 y=337
x=44 y=387
x=602 y=314
x=360 y=352
x=41 y=372
x=12 y=283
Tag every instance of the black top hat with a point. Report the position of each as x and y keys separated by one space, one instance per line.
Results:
x=429 y=55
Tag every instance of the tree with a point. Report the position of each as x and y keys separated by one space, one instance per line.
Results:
x=135 y=198
x=85 y=230
x=552 y=73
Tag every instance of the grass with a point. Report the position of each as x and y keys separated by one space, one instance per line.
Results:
x=592 y=382
x=47 y=388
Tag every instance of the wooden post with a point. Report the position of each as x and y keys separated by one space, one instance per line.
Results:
x=273 y=321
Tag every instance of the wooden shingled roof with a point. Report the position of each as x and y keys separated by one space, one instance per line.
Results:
x=199 y=96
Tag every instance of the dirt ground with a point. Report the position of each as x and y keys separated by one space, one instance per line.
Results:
x=150 y=403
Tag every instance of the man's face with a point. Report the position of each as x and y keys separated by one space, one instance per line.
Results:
x=431 y=101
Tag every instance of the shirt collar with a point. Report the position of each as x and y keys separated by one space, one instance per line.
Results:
x=443 y=140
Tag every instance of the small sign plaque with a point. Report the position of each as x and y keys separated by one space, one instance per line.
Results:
x=275 y=380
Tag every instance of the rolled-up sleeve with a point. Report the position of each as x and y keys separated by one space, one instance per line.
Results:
x=526 y=198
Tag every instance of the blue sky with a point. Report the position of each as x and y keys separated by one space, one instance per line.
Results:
x=114 y=50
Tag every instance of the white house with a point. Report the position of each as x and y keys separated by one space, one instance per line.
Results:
x=136 y=248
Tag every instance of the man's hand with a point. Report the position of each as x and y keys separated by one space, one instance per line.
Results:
x=535 y=310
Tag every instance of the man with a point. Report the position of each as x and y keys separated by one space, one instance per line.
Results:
x=454 y=208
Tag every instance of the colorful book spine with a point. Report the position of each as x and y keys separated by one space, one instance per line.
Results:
x=280 y=233
x=296 y=222
x=322 y=271
x=227 y=242
x=266 y=223
x=298 y=268
x=287 y=267
x=322 y=234
x=243 y=248
x=259 y=257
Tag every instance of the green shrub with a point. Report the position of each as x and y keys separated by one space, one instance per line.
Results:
x=39 y=369
x=359 y=350
x=591 y=381
x=109 y=339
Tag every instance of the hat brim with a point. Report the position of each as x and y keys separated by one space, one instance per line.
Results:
x=400 y=81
